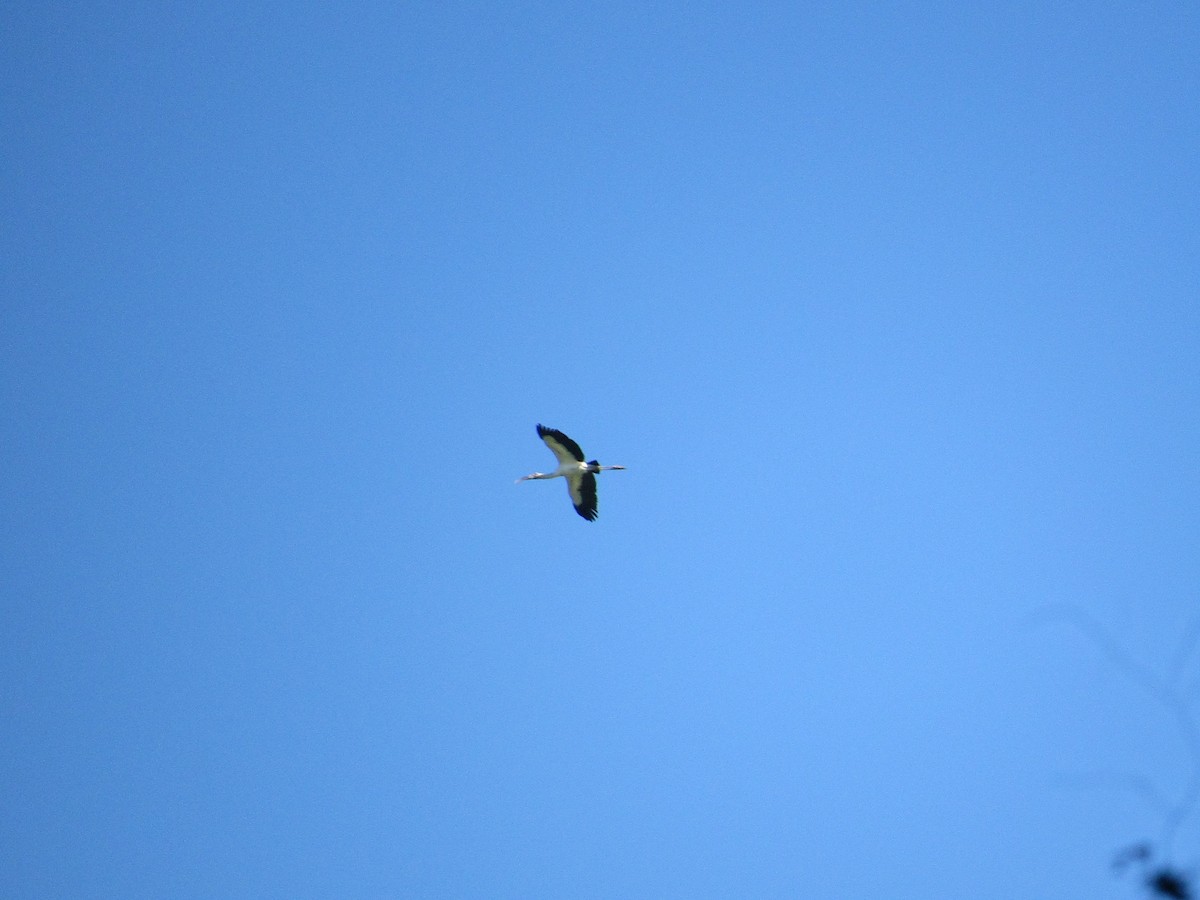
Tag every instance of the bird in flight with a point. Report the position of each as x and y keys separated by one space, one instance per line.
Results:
x=580 y=475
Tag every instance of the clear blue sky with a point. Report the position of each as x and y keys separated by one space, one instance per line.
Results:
x=890 y=309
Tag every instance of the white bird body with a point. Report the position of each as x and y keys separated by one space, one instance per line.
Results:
x=580 y=474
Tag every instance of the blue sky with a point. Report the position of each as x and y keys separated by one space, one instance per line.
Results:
x=890 y=310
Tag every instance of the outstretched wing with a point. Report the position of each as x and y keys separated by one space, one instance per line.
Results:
x=582 y=488
x=565 y=449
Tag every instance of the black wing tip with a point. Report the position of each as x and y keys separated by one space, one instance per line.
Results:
x=565 y=442
x=587 y=493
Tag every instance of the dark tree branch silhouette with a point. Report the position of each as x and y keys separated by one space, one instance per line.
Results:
x=1175 y=695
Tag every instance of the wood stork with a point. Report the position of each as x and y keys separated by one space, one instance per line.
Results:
x=580 y=475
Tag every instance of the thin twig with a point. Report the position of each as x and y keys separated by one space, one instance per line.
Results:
x=1164 y=692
